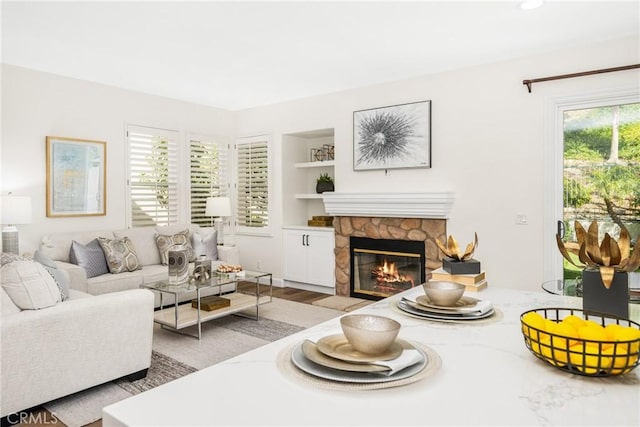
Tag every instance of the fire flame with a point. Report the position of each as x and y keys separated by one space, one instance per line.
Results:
x=388 y=272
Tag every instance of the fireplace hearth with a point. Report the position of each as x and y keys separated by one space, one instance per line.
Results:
x=383 y=267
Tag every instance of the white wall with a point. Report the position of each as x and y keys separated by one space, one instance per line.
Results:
x=36 y=104
x=488 y=136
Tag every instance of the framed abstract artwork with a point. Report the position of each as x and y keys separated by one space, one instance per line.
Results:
x=394 y=137
x=76 y=177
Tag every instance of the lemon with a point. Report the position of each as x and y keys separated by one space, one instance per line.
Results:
x=574 y=321
x=566 y=330
x=550 y=326
x=533 y=320
x=619 y=359
x=627 y=334
x=591 y=323
x=554 y=350
x=593 y=332
x=611 y=329
x=586 y=358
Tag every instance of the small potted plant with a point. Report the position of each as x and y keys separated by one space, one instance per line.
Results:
x=324 y=183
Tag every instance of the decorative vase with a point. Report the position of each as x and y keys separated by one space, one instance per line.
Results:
x=178 y=260
x=322 y=186
x=597 y=298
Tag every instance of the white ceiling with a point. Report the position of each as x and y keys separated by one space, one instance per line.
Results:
x=237 y=55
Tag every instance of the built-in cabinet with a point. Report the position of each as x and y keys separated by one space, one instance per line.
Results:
x=308 y=258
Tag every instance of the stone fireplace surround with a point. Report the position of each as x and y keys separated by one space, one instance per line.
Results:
x=400 y=216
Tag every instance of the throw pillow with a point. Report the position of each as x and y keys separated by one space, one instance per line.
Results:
x=60 y=276
x=90 y=257
x=29 y=285
x=120 y=253
x=176 y=241
x=206 y=245
x=6 y=258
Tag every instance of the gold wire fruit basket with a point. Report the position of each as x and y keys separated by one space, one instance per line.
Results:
x=582 y=356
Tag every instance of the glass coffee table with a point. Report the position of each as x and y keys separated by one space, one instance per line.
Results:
x=180 y=315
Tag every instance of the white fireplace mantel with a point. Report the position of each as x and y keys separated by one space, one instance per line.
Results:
x=435 y=205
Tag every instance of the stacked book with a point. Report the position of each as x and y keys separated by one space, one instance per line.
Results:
x=472 y=282
x=320 y=221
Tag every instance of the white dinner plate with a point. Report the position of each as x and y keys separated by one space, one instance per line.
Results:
x=480 y=308
x=463 y=303
x=301 y=362
x=403 y=306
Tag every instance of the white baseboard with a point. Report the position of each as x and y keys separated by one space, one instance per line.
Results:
x=309 y=287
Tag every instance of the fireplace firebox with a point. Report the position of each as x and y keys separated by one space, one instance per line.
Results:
x=383 y=267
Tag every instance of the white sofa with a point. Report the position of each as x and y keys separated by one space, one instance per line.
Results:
x=79 y=343
x=57 y=245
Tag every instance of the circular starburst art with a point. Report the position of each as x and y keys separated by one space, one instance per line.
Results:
x=392 y=137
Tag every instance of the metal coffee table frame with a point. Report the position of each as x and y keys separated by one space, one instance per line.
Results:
x=181 y=315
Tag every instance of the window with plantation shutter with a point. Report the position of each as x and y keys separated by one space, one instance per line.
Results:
x=209 y=164
x=252 y=184
x=153 y=176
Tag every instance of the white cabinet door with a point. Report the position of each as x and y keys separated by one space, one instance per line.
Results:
x=295 y=257
x=320 y=259
x=308 y=256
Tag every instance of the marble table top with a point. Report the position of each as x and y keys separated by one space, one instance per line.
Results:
x=487 y=377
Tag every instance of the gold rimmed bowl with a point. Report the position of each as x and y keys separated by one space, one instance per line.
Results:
x=368 y=333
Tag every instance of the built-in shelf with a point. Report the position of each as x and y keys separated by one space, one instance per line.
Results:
x=324 y=164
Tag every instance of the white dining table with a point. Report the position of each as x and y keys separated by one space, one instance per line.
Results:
x=485 y=377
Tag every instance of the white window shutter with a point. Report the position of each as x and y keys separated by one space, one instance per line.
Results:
x=209 y=175
x=252 y=187
x=153 y=176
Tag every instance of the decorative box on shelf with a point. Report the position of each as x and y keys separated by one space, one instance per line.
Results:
x=211 y=303
x=320 y=221
x=469 y=266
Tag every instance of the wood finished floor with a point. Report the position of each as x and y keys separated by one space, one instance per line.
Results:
x=40 y=417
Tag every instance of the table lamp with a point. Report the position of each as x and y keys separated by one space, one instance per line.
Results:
x=219 y=207
x=15 y=210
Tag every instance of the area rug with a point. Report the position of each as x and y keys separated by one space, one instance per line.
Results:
x=176 y=355
x=337 y=302
x=162 y=370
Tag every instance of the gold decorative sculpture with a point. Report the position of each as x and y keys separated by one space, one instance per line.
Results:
x=608 y=256
x=452 y=250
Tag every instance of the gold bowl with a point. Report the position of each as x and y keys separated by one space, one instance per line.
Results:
x=442 y=293
x=368 y=333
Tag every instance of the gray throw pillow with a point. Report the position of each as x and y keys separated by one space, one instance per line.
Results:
x=90 y=257
x=60 y=276
x=166 y=243
x=205 y=244
x=120 y=253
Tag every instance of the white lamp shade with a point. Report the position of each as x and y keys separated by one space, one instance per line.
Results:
x=16 y=210
x=218 y=206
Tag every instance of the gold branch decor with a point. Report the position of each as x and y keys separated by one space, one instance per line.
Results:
x=452 y=250
x=608 y=256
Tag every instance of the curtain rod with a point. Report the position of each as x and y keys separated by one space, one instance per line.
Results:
x=528 y=83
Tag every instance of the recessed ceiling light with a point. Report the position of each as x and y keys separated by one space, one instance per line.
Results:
x=531 y=4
